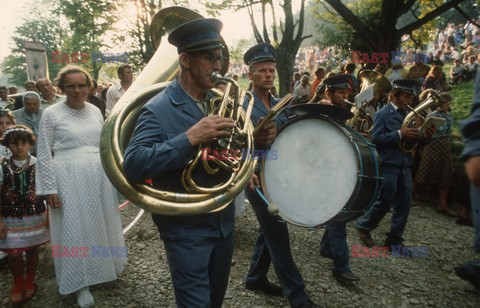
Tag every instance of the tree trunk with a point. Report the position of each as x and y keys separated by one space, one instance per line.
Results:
x=96 y=70
x=388 y=40
x=285 y=63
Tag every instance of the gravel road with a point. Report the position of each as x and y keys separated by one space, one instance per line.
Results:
x=385 y=281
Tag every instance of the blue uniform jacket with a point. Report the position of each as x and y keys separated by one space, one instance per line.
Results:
x=159 y=150
x=260 y=111
x=386 y=122
x=471 y=127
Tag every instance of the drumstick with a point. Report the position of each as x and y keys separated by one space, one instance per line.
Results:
x=272 y=208
x=273 y=112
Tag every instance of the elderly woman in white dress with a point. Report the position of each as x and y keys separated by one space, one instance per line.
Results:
x=88 y=247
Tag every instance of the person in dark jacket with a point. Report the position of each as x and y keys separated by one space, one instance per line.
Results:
x=396 y=189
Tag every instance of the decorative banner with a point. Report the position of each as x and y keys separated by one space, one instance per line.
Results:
x=36 y=59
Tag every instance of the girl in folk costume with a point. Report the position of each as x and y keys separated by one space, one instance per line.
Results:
x=23 y=225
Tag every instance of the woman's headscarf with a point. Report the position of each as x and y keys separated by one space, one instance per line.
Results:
x=30 y=94
x=31 y=120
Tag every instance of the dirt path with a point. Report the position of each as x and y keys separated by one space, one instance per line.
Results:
x=385 y=281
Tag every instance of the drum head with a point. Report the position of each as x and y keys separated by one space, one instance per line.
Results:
x=315 y=173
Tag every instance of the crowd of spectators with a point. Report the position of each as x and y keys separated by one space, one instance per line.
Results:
x=456 y=44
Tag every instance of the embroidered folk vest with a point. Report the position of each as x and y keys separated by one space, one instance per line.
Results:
x=18 y=193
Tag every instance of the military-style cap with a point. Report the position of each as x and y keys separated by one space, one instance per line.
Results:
x=409 y=86
x=197 y=35
x=259 y=53
x=337 y=82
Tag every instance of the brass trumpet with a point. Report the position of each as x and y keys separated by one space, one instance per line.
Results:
x=416 y=118
x=119 y=126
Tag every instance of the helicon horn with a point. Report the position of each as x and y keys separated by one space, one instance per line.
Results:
x=120 y=124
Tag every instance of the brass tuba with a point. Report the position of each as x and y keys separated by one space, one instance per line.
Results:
x=119 y=127
x=416 y=117
x=361 y=121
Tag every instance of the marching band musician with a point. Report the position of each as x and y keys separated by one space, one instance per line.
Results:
x=396 y=188
x=172 y=124
x=272 y=244
x=334 y=240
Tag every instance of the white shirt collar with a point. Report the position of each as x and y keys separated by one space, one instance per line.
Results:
x=394 y=106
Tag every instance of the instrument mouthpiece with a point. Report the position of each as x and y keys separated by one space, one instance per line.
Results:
x=216 y=77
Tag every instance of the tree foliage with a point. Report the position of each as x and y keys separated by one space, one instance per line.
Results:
x=80 y=28
x=89 y=20
x=142 y=48
x=379 y=25
x=339 y=33
x=46 y=29
x=286 y=32
x=238 y=50
x=139 y=44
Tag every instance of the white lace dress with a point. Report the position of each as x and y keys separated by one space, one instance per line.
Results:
x=89 y=216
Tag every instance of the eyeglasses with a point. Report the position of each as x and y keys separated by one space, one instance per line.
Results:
x=73 y=87
x=210 y=57
x=213 y=58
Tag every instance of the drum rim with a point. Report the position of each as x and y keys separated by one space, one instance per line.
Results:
x=357 y=189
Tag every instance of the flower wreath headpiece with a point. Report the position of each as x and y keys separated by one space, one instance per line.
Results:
x=15 y=129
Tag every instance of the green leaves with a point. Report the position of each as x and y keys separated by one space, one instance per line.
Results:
x=67 y=26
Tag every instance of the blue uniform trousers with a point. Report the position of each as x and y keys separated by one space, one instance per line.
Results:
x=396 y=192
x=334 y=246
x=273 y=244
x=200 y=268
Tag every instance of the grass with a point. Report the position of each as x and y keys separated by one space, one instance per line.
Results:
x=462 y=95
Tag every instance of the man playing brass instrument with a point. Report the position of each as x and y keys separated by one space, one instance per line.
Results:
x=396 y=189
x=172 y=124
x=272 y=244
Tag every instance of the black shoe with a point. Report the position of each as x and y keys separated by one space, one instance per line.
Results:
x=464 y=222
x=265 y=286
x=389 y=243
x=347 y=277
x=366 y=238
x=469 y=273
x=326 y=255
x=308 y=304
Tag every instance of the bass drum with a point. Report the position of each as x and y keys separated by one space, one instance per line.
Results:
x=322 y=172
